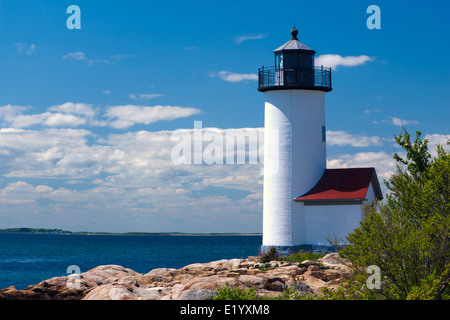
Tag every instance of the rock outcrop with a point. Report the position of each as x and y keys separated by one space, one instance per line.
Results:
x=192 y=282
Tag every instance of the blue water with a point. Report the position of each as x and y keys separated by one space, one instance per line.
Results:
x=27 y=259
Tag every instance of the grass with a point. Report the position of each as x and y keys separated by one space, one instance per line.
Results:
x=300 y=256
x=227 y=293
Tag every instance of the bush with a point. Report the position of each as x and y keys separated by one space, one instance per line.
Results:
x=227 y=293
x=302 y=256
x=271 y=255
x=408 y=236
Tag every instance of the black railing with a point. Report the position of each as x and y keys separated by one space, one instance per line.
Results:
x=318 y=78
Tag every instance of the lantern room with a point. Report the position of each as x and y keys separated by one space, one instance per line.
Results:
x=294 y=69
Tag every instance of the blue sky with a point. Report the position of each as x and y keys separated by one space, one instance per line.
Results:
x=86 y=116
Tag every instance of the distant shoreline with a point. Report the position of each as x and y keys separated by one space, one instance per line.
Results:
x=65 y=232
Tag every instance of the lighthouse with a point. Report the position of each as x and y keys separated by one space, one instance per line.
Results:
x=304 y=203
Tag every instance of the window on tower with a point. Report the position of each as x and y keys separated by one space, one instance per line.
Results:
x=279 y=61
x=324 y=134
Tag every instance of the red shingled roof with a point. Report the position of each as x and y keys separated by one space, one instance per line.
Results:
x=344 y=184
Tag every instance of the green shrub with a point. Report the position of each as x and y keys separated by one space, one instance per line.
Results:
x=227 y=293
x=267 y=269
x=407 y=236
x=302 y=256
x=271 y=255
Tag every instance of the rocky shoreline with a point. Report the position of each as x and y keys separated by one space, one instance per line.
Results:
x=193 y=282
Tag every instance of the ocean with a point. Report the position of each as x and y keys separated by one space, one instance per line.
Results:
x=27 y=259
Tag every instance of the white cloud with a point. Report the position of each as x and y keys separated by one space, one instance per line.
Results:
x=243 y=38
x=150 y=95
x=402 y=122
x=23 y=48
x=235 y=77
x=43 y=153
x=80 y=56
x=118 y=57
x=13 y=115
x=9 y=112
x=335 y=60
x=133 y=159
x=10 y=130
x=239 y=182
x=130 y=176
x=75 y=56
x=123 y=117
x=145 y=96
x=437 y=139
x=381 y=161
x=22 y=121
x=62 y=120
x=342 y=138
x=74 y=108
x=72 y=114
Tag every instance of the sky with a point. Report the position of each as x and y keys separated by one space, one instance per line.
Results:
x=88 y=116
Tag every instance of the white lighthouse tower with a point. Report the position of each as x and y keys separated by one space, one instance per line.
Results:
x=295 y=149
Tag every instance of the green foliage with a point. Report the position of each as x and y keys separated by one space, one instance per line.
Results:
x=408 y=237
x=417 y=157
x=271 y=255
x=267 y=269
x=432 y=287
x=302 y=256
x=228 y=293
x=292 y=294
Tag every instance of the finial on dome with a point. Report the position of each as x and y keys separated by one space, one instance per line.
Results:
x=294 y=33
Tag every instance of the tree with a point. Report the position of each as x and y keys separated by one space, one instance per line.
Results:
x=408 y=236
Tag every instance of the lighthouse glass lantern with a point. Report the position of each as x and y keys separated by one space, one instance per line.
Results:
x=294 y=68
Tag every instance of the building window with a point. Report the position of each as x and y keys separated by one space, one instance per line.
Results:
x=324 y=134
